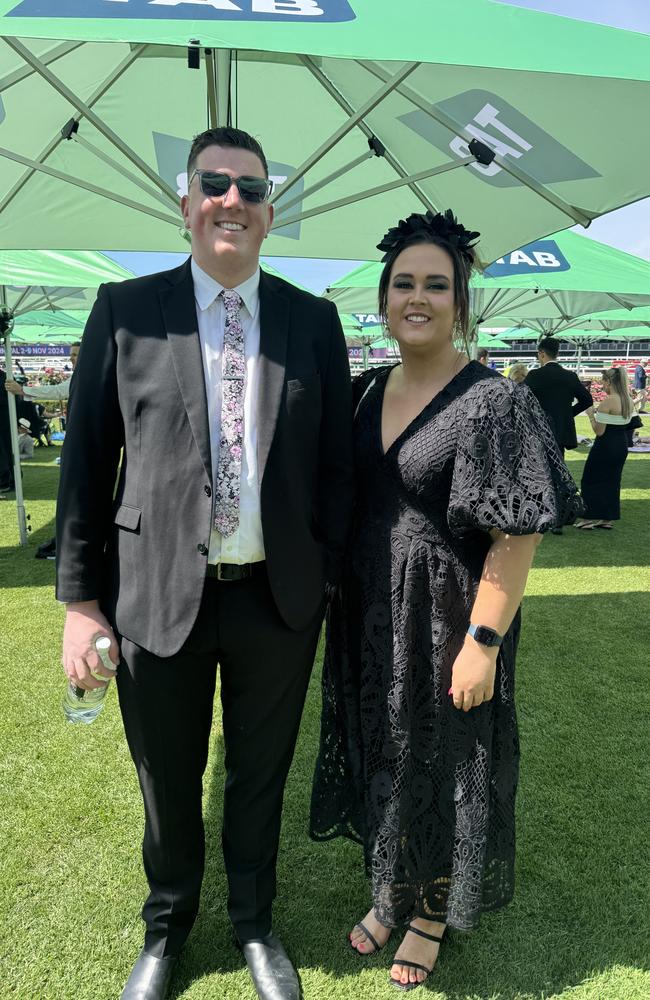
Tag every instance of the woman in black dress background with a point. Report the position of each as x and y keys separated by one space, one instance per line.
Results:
x=458 y=475
x=601 y=477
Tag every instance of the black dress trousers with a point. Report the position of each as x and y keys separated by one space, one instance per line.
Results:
x=166 y=705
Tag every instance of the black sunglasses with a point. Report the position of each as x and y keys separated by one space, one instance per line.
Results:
x=252 y=189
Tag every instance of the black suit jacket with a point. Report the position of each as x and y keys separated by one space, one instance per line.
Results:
x=562 y=395
x=135 y=535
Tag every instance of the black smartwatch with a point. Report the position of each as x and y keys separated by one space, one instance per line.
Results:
x=486 y=636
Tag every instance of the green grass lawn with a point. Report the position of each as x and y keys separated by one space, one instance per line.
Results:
x=579 y=927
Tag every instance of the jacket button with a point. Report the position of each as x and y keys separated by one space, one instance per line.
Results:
x=207 y=490
x=203 y=549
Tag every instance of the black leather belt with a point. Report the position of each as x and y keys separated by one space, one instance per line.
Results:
x=230 y=572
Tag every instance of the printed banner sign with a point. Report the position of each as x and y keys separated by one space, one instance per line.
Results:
x=41 y=350
x=295 y=11
x=356 y=353
x=493 y=121
x=539 y=257
x=367 y=319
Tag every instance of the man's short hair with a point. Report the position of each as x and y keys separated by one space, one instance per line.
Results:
x=481 y=353
x=550 y=346
x=224 y=136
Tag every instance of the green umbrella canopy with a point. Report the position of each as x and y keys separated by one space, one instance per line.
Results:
x=612 y=319
x=577 y=336
x=50 y=280
x=73 y=320
x=365 y=115
x=25 y=334
x=551 y=281
x=492 y=342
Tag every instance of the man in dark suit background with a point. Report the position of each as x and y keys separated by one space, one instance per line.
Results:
x=227 y=391
x=560 y=393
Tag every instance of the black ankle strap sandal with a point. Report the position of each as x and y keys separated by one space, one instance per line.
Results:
x=405 y=987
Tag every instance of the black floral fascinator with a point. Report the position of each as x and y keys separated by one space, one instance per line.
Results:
x=444 y=226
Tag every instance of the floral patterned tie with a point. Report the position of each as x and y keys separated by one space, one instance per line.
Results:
x=226 y=505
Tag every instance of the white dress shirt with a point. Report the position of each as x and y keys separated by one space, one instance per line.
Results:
x=245 y=545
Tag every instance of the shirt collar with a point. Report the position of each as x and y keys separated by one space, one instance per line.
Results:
x=206 y=289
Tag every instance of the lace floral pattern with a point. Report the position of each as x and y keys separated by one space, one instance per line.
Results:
x=427 y=790
x=226 y=506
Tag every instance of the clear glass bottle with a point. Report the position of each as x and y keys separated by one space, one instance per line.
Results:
x=84 y=706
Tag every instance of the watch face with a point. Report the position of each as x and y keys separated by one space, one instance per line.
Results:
x=487 y=636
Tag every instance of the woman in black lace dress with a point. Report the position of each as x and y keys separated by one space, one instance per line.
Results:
x=458 y=476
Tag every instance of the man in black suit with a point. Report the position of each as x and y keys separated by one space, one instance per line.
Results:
x=560 y=393
x=227 y=392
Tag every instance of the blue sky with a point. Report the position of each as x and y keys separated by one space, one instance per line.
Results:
x=627 y=229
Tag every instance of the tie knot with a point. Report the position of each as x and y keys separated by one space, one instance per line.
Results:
x=232 y=300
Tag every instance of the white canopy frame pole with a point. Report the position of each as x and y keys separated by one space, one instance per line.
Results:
x=579 y=359
x=372 y=192
x=210 y=79
x=391 y=83
x=48 y=300
x=494 y=307
x=47 y=58
x=328 y=180
x=90 y=115
x=13 y=427
x=19 y=301
x=564 y=317
x=218 y=69
x=223 y=76
x=78 y=182
x=577 y=214
x=372 y=138
x=120 y=169
x=620 y=301
x=59 y=137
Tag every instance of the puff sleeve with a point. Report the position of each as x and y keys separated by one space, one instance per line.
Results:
x=508 y=471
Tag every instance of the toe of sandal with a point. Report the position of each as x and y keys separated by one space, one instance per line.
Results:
x=373 y=941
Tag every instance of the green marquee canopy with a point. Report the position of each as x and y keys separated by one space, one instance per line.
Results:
x=47 y=280
x=73 y=320
x=576 y=336
x=524 y=122
x=611 y=319
x=25 y=334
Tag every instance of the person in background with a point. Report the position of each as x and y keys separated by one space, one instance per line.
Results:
x=560 y=393
x=639 y=385
x=59 y=392
x=601 y=477
x=25 y=440
x=518 y=372
x=6 y=453
x=482 y=356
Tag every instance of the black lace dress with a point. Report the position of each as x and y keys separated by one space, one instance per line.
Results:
x=429 y=790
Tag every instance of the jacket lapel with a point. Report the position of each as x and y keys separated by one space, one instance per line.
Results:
x=179 y=313
x=274 y=336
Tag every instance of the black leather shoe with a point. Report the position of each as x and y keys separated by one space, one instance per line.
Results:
x=273 y=974
x=150 y=978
